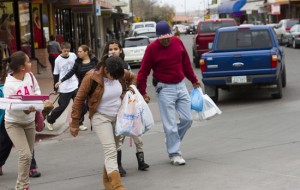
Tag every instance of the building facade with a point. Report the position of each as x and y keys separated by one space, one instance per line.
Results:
x=27 y=25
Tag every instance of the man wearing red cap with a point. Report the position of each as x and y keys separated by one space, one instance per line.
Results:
x=170 y=63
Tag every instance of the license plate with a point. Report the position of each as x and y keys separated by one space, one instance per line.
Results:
x=238 y=79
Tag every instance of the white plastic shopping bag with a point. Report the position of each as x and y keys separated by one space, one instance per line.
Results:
x=129 y=122
x=203 y=105
x=146 y=114
x=209 y=110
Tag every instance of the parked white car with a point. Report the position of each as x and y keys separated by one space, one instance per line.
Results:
x=149 y=24
x=134 y=49
x=182 y=28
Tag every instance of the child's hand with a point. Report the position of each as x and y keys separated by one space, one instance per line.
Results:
x=57 y=84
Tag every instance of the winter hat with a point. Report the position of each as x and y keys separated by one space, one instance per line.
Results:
x=163 y=30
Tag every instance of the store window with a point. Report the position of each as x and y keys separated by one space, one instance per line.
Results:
x=25 y=27
x=7 y=30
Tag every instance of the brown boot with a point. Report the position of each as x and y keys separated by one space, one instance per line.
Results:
x=105 y=179
x=115 y=180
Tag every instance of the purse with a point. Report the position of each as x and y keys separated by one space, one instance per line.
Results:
x=39 y=121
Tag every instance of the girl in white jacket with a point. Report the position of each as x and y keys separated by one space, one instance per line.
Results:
x=20 y=125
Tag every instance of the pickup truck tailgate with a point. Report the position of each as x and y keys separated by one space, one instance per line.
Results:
x=239 y=63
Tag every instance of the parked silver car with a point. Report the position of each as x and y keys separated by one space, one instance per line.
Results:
x=283 y=26
x=292 y=37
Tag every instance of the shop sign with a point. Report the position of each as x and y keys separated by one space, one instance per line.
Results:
x=83 y=2
x=275 y=9
x=98 y=10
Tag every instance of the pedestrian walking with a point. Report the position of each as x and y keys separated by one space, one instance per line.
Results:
x=53 y=51
x=6 y=146
x=84 y=62
x=114 y=48
x=104 y=87
x=20 y=125
x=67 y=90
x=177 y=32
x=170 y=63
x=5 y=142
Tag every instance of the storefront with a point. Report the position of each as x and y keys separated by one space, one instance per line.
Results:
x=232 y=9
x=256 y=12
x=23 y=26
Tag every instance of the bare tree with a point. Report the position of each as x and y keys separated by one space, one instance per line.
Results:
x=148 y=10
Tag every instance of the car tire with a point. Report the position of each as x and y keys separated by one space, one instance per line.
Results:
x=294 y=44
x=283 y=77
x=196 y=60
x=278 y=95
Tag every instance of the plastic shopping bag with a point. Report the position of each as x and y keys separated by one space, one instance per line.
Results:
x=146 y=114
x=197 y=99
x=129 y=122
x=209 y=110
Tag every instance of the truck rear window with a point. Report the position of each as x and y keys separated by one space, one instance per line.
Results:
x=211 y=27
x=244 y=39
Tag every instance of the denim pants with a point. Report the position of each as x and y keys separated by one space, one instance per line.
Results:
x=23 y=137
x=172 y=99
x=104 y=127
x=63 y=102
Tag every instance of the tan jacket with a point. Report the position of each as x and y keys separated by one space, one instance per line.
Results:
x=95 y=98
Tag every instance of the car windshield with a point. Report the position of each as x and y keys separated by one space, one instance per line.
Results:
x=244 y=39
x=148 y=34
x=135 y=42
x=207 y=27
x=149 y=25
x=139 y=26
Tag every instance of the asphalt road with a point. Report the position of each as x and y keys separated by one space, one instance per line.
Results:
x=253 y=145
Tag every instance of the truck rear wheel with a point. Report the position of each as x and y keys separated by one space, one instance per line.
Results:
x=196 y=60
x=278 y=95
x=212 y=92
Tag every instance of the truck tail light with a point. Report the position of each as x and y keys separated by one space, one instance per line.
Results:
x=274 y=60
x=287 y=28
x=202 y=65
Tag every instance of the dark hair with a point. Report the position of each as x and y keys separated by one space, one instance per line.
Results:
x=4 y=69
x=106 y=48
x=115 y=67
x=65 y=45
x=17 y=59
x=3 y=18
x=34 y=9
x=52 y=37
x=86 y=48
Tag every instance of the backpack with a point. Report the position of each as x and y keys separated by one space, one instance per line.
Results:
x=2 y=112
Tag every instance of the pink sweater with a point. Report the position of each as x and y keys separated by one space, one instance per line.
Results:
x=169 y=64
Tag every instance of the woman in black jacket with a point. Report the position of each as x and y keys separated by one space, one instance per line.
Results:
x=84 y=63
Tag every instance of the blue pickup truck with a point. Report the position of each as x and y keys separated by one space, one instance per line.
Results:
x=243 y=56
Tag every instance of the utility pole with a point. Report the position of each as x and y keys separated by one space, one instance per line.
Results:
x=290 y=9
x=185 y=7
x=131 y=5
x=97 y=39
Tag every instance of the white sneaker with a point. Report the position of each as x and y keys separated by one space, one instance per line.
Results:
x=49 y=126
x=82 y=128
x=177 y=160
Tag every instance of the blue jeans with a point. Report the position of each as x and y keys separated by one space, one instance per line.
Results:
x=174 y=98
